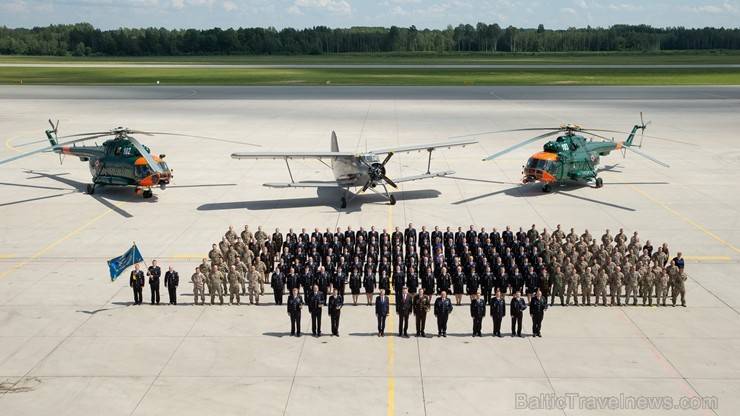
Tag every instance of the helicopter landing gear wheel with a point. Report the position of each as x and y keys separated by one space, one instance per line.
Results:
x=599 y=182
x=147 y=194
x=546 y=188
x=343 y=203
x=90 y=189
x=392 y=200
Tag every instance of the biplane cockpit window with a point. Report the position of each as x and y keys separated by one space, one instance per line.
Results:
x=371 y=158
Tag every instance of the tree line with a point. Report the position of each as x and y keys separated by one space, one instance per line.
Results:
x=82 y=39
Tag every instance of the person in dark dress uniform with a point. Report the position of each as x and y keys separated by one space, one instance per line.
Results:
x=518 y=305
x=136 y=281
x=477 y=312
x=315 y=300
x=336 y=301
x=498 y=311
x=537 y=308
x=382 y=309
x=295 y=304
x=442 y=310
x=404 y=305
x=421 y=306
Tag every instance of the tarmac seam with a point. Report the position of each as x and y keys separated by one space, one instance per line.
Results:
x=659 y=355
x=66 y=338
x=295 y=374
x=547 y=376
x=143 y=396
x=421 y=376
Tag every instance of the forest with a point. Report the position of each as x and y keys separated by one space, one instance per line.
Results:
x=83 y=39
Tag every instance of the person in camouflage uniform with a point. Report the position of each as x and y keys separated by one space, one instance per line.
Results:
x=214 y=284
x=679 y=289
x=235 y=281
x=648 y=281
x=254 y=278
x=558 y=282
x=615 y=286
x=261 y=267
x=600 y=287
x=587 y=279
x=632 y=285
x=242 y=268
x=661 y=287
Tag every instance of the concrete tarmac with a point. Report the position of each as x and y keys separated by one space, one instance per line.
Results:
x=71 y=342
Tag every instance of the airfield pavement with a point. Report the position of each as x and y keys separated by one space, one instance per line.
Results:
x=71 y=343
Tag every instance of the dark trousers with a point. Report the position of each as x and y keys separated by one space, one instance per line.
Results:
x=516 y=323
x=279 y=297
x=316 y=322
x=155 y=294
x=421 y=322
x=403 y=324
x=477 y=325
x=137 y=295
x=381 y=323
x=173 y=294
x=335 y=322
x=537 y=323
x=497 y=325
x=295 y=323
x=442 y=323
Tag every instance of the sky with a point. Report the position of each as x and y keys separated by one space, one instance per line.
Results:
x=424 y=14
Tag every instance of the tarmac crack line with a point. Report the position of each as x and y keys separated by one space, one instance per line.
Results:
x=143 y=396
x=547 y=377
x=692 y=392
x=421 y=377
x=295 y=374
x=46 y=357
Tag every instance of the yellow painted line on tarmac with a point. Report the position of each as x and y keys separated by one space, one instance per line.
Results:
x=676 y=213
x=6 y=256
x=7 y=272
x=391 y=382
x=715 y=258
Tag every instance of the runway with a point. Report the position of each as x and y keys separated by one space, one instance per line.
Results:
x=70 y=343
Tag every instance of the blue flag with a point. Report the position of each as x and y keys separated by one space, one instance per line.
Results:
x=119 y=264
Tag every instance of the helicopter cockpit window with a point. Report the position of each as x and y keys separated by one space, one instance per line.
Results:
x=142 y=170
x=164 y=166
x=539 y=164
x=118 y=151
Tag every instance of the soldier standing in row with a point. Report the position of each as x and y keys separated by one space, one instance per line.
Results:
x=136 y=281
x=235 y=280
x=404 y=305
x=679 y=289
x=214 y=285
x=498 y=311
x=277 y=282
x=198 y=279
x=154 y=273
x=518 y=305
x=171 y=282
x=253 y=281
x=442 y=310
x=382 y=310
x=422 y=305
x=295 y=304
x=557 y=286
x=315 y=303
x=336 y=301
x=478 y=312
x=537 y=309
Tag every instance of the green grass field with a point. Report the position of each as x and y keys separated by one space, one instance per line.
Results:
x=532 y=75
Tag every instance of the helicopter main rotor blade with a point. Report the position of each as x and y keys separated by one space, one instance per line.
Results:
x=524 y=143
x=646 y=156
x=507 y=131
x=151 y=133
x=149 y=160
x=45 y=149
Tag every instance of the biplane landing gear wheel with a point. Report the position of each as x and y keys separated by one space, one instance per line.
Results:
x=599 y=182
x=90 y=189
x=392 y=200
x=546 y=188
x=147 y=194
x=343 y=203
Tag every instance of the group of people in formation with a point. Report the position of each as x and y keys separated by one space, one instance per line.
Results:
x=613 y=270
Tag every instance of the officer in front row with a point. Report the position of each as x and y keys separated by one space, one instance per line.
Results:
x=478 y=312
x=335 y=309
x=136 y=281
x=171 y=282
x=295 y=304
x=537 y=308
x=518 y=305
x=442 y=310
x=498 y=311
x=421 y=304
x=315 y=303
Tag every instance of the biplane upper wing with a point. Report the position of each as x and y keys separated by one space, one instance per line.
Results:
x=303 y=184
x=427 y=147
x=291 y=155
